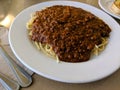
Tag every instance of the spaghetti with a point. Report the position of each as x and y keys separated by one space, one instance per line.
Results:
x=67 y=33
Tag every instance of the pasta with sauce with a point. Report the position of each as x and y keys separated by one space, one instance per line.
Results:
x=66 y=36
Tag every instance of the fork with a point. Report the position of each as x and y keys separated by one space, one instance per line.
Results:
x=23 y=78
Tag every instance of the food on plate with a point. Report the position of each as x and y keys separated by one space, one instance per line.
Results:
x=68 y=33
x=116 y=6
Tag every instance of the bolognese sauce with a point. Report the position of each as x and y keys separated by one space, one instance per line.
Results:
x=71 y=32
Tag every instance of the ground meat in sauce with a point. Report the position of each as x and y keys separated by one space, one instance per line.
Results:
x=72 y=32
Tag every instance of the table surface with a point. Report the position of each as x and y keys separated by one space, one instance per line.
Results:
x=40 y=83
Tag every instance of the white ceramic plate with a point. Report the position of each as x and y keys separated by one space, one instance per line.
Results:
x=96 y=68
x=106 y=6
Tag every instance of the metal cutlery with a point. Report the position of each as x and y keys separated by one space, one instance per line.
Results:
x=8 y=83
x=23 y=78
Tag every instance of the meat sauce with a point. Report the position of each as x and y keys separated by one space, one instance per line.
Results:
x=71 y=32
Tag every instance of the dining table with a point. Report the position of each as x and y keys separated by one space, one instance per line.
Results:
x=111 y=82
